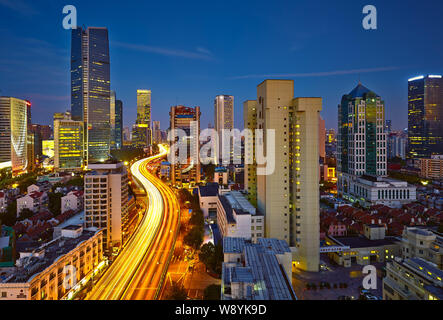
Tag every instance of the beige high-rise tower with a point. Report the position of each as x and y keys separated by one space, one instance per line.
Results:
x=250 y=122
x=289 y=197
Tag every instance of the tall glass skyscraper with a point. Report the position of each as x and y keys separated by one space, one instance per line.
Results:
x=13 y=134
x=90 y=89
x=425 y=116
x=118 y=133
x=142 y=132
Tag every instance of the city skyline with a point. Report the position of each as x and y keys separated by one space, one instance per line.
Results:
x=186 y=60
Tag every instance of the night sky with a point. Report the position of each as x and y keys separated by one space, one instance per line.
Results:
x=187 y=52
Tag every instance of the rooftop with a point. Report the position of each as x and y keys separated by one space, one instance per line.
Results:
x=209 y=190
x=363 y=242
x=359 y=91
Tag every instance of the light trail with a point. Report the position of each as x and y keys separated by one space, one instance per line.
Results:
x=139 y=270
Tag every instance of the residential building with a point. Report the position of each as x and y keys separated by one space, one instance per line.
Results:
x=35 y=201
x=221 y=176
x=422 y=243
x=13 y=134
x=223 y=120
x=412 y=279
x=40 y=186
x=260 y=271
x=289 y=197
x=106 y=201
x=432 y=168
x=68 y=144
x=237 y=218
x=72 y=201
x=397 y=143
x=186 y=172
x=250 y=175
x=156 y=132
x=142 y=132
x=90 y=89
x=425 y=116
x=371 y=247
x=41 y=272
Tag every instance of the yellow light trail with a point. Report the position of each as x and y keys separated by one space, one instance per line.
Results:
x=138 y=271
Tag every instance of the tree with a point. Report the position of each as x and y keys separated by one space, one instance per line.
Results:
x=212 y=292
x=55 y=203
x=197 y=218
x=194 y=238
x=25 y=214
x=209 y=170
x=9 y=217
x=212 y=257
x=440 y=228
x=177 y=292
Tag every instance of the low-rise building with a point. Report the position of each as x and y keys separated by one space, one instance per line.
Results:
x=48 y=272
x=432 y=168
x=412 y=279
x=237 y=217
x=422 y=243
x=165 y=170
x=42 y=186
x=34 y=201
x=260 y=271
x=72 y=201
x=221 y=175
x=365 y=249
x=208 y=196
x=371 y=190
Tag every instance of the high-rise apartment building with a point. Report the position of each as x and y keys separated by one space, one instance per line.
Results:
x=250 y=175
x=289 y=197
x=223 y=119
x=106 y=201
x=425 y=116
x=186 y=173
x=142 y=132
x=13 y=134
x=68 y=143
x=90 y=89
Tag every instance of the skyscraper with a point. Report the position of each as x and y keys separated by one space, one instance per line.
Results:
x=90 y=89
x=13 y=134
x=361 y=134
x=289 y=197
x=116 y=118
x=425 y=116
x=156 y=132
x=223 y=119
x=142 y=134
x=188 y=120
x=31 y=139
x=68 y=143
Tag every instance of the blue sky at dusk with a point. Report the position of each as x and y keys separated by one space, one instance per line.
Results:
x=187 y=52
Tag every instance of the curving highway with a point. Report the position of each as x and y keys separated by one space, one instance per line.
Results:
x=139 y=270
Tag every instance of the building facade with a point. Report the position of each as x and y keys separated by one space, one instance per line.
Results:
x=90 y=89
x=68 y=144
x=13 y=134
x=425 y=116
x=432 y=168
x=187 y=171
x=250 y=175
x=289 y=197
x=223 y=120
x=106 y=201
x=142 y=133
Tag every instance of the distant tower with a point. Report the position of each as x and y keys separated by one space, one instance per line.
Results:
x=223 y=119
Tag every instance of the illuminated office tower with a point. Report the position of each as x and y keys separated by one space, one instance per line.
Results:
x=187 y=119
x=90 y=89
x=13 y=134
x=156 y=132
x=68 y=144
x=362 y=143
x=142 y=134
x=250 y=122
x=31 y=139
x=116 y=118
x=223 y=119
x=425 y=116
x=289 y=196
